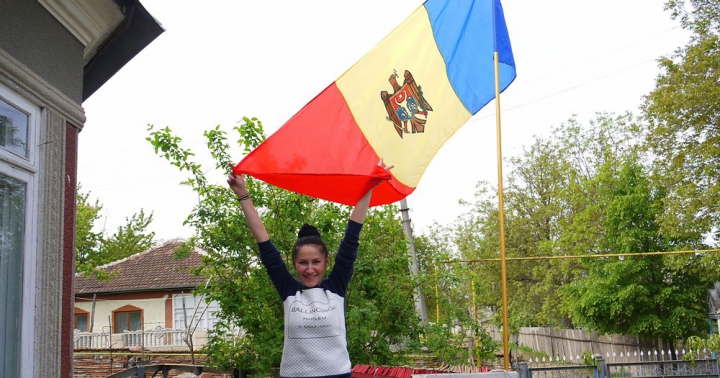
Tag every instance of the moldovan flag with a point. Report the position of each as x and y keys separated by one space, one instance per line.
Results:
x=400 y=102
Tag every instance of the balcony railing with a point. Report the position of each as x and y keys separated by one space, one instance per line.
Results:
x=155 y=339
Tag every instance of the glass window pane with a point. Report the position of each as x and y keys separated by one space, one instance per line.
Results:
x=178 y=318
x=121 y=322
x=81 y=322
x=12 y=229
x=13 y=129
x=205 y=318
x=135 y=321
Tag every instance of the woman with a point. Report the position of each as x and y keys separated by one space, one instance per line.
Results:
x=315 y=343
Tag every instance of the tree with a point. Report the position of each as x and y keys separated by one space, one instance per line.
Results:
x=449 y=289
x=129 y=239
x=585 y=191
x=653 y=296
x=380 y=308
x=683 y=123
x=93 y=248
x=536 y=202
x=550 y=211
x=87 y=240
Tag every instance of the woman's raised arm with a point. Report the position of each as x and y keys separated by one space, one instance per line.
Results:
x=257 y=228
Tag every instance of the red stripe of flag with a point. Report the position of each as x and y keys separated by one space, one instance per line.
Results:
x=322 y=153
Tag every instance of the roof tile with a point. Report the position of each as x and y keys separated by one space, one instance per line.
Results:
x=156 y=268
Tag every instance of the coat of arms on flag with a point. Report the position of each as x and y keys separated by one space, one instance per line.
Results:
x=406 y=105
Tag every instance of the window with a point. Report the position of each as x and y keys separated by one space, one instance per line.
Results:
x=18 y=212
x=205 y=316
x=80 y=321
x=13 y=129
x=127 y=321
x=12 y=215
x=127 y=318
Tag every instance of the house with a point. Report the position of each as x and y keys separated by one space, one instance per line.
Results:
x=54 y=54
x=148 y=302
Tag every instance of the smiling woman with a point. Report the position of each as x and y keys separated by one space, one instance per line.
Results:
x=315 y=343
x=310 y=256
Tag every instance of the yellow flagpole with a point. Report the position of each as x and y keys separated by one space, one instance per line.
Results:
x=503 y=273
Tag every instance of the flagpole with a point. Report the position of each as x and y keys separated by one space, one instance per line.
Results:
x=503 y=273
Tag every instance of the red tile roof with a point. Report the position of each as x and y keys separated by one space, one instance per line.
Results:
x=156 y=268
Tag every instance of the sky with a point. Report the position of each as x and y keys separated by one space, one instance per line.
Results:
x=219 y=61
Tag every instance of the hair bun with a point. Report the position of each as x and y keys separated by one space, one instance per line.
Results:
x=308 y=230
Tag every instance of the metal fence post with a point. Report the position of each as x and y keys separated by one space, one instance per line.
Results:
x=523 y=370
x=602 y=369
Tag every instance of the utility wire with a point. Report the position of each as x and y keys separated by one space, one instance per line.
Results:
x=583 y=256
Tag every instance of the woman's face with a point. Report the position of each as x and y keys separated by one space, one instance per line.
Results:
x=310 y=265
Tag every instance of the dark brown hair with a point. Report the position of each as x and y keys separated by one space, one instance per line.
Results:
x=309 y=235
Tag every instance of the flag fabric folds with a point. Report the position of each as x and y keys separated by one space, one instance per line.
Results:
x=400 y=102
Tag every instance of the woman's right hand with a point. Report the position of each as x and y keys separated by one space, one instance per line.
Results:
x=237 y=184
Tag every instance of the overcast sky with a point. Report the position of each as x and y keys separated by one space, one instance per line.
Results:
x=219 y=61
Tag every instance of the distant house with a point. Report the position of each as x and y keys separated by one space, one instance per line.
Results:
x=148 y=302
x=54 y=54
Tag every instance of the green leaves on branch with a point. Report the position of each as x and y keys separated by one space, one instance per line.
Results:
x=93 y=248
x=683 y=123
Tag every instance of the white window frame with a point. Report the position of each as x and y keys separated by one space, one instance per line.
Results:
x=206 y=323
x=25 y=170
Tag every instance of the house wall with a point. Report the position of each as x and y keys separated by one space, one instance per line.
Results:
x=42 y=62
x=30 y=34
x=156 y=306
x=48 y=323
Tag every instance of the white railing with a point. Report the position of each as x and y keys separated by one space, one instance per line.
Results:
x=87 y=340
x=154 y=338
x=160 y=337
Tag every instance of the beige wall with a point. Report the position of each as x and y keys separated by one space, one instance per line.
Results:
x=153 y=311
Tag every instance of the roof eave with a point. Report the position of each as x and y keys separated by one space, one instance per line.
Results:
x=137 y=290
x=136 y=31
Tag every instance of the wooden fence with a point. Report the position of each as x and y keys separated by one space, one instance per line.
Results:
x=573 y=343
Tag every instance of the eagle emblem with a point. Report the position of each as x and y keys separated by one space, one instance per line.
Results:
x=406 y=105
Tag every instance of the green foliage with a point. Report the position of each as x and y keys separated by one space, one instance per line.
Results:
x=448 y=344
x=588 y=359
x=380 y=311
x=93 y=248
x=551 y=210
x=129 y=239
x=529 y=353
x=87 y=241
x=649 y=296
x=486 y=346
x=448 y=290
x=696 y=345
x=584 y=191
x=683 y=125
